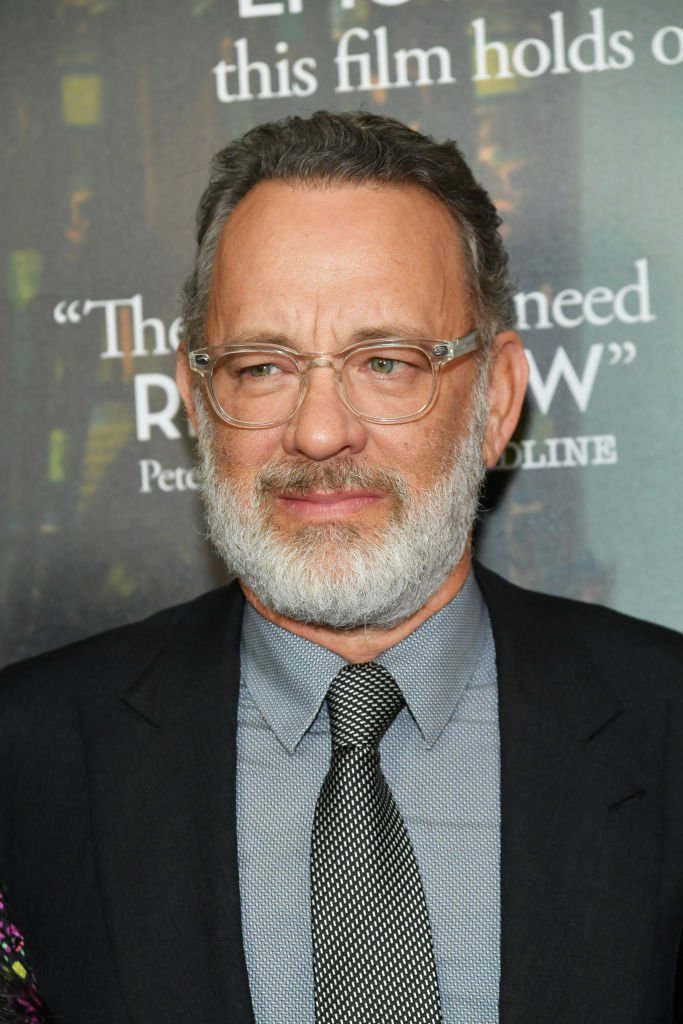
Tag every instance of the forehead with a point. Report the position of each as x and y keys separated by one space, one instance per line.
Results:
x=302 y=252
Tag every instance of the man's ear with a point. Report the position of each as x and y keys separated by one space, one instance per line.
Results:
x=507 y=386
x=183 y=378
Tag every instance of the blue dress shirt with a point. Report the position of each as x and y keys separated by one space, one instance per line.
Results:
x=441 y=758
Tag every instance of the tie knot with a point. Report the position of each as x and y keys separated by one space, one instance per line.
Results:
x=363 y=701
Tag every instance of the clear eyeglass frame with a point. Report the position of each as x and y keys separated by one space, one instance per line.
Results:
x=439 y=352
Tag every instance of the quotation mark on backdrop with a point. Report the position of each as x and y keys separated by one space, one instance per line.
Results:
x=67 y=312
x=621 y=353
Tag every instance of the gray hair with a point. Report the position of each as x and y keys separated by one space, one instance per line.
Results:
x=355 y=147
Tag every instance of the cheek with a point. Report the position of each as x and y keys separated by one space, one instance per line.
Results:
x=240 y=454
x=418 y=451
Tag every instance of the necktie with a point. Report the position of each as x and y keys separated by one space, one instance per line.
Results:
x=372 y=949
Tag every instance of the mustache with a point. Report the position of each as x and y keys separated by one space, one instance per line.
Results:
x=302 y=477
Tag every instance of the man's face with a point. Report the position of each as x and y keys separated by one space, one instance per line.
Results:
x=318 y=269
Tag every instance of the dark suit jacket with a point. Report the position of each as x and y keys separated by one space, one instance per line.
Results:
x=118 y=821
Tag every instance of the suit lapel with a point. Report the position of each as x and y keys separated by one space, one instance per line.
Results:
x=161 y=765
x=581 y=806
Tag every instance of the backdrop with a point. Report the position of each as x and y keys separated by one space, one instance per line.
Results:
x=570 y=114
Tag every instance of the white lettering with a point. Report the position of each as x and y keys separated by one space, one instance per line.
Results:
x=174 y=335
x=576 y=451
x=630 y=304
x=221 y=72
x=660 y=41
x=482 y=51
x=269 y=9
x=552 y=444
x=561 y=368
x=422 y=57
x=617 y=42
x=528 y=460
x=605 y=450
x=542 y=310
x=598 y=296
x=306 y=82
x=145 y=417
x=641 y=291
x=511 y=457
x=166 y=480
x=149 y=470
x=365 y=71
x=543 y=58
x=532 y=57
x=295 y=79
x=383 y=81
x=246 y=68
x=593 y=46
x=111 y=331
x=343 y=59
x=139 y=325
x=559 y=47
x=568 y=297
x=560 y=452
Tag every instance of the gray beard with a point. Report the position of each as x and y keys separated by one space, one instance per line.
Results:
x=340 y=575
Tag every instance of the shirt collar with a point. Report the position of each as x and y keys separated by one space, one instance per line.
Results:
x=288 y=676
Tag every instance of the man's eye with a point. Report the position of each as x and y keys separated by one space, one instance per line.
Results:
x=261 y=370
x=382 y=364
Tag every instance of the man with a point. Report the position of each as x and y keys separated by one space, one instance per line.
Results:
x=197 y=824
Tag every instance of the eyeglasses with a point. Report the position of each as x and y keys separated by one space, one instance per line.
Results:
x=388 y=380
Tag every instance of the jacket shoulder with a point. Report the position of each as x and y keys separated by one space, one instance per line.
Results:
x=103 y=662
x=541 y=627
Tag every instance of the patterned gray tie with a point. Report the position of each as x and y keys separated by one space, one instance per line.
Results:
x=372 y=947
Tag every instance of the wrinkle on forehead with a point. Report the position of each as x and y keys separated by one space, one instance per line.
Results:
x=319 y=264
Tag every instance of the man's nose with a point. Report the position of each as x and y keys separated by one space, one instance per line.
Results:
x=323 y=427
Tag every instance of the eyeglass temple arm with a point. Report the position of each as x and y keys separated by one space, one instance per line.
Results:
x=199 y=361
x=458 y=347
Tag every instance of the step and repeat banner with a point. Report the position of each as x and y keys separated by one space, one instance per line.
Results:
x=569 y=112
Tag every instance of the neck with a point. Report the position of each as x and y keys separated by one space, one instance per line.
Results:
x=365 y=644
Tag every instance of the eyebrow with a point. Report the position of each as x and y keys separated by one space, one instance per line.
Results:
x=392 y=330
x=386 y=330
x=261 y=338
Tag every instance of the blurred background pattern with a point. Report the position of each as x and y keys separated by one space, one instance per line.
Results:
x=571 y=116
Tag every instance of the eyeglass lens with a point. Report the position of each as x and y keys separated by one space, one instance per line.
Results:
x=379 y=381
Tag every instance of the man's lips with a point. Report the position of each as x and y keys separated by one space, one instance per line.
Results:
x=329 y=504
